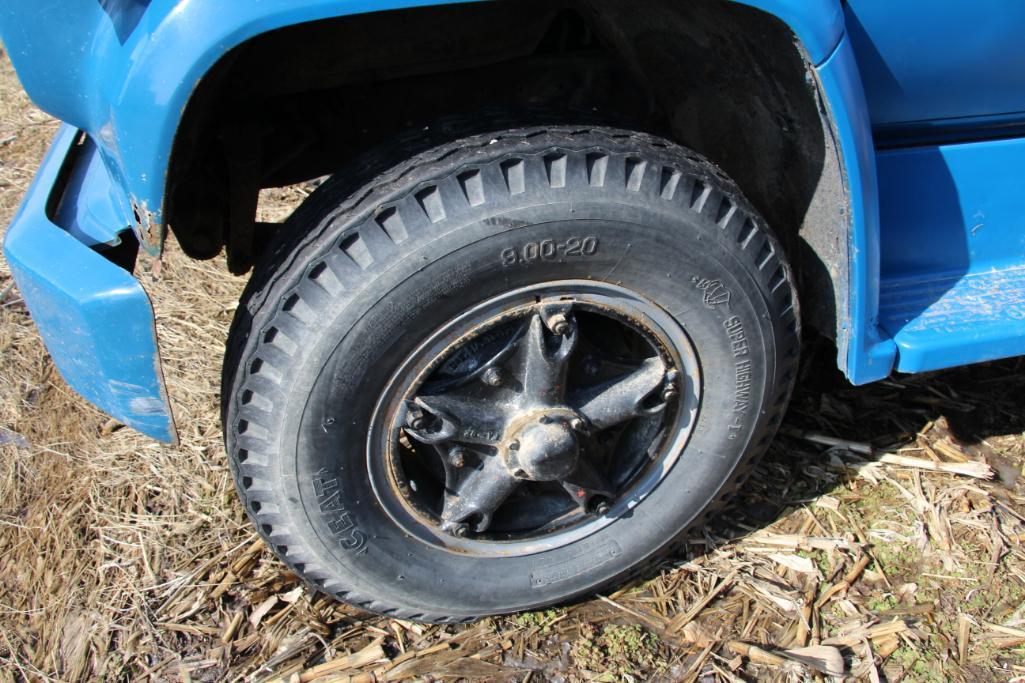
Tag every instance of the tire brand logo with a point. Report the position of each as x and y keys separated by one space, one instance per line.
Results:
x=744 y=374
x=339 y=520
x=715 y=292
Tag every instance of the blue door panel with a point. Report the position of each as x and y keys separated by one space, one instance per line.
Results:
x=926 y=60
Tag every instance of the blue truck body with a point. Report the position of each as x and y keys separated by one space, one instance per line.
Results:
x=925 y=101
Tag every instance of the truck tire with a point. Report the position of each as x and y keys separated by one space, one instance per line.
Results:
x=506 y=372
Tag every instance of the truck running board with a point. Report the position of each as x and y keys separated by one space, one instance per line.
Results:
x=953 y=252
x=949 y=320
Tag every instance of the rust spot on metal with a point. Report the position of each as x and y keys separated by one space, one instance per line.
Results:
x=148 y=227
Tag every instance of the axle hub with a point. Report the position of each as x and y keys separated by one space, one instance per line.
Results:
x=546 y=450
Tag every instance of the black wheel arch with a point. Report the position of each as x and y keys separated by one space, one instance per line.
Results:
x=727 y=80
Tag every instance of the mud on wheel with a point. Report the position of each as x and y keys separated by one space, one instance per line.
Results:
x=506 y=371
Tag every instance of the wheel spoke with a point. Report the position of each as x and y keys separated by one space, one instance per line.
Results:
x=543 y=369
x=613 y=402
x=462 y=418
x=479 y=495
x=586 y=482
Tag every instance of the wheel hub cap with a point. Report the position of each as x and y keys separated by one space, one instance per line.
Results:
x=543 y=450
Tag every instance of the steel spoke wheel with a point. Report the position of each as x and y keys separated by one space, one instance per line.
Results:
x=534 y=419
x=506 y=372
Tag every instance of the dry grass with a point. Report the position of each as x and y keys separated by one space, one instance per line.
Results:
x=865 y=546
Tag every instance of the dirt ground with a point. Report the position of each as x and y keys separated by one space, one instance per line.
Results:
x=881 y=539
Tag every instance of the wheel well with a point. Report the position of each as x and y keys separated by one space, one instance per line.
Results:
x=724 y=79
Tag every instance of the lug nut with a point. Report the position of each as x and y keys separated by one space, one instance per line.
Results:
x=559 y=324
x=460 y=530
x=493 y=377
x=417 y=423
x=671 y=390
x=457 y=457
x=578 y=424
x=601 y=507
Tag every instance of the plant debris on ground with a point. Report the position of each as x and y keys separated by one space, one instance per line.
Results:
x=880 y=539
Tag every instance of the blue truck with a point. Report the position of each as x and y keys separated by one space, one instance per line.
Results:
x=548 y=308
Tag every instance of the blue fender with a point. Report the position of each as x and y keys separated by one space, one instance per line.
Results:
x=142 y=60
x=156 y=88
x=123 y=71
x=866 y=352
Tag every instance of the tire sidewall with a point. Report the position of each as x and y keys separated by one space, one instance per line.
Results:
x=338 y=386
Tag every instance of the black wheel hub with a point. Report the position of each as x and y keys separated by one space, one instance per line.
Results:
x=583 y=393
x=546 y=450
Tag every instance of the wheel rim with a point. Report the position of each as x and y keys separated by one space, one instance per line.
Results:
x=534 y=419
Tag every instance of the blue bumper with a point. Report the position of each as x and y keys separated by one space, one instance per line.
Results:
x=93 y=315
